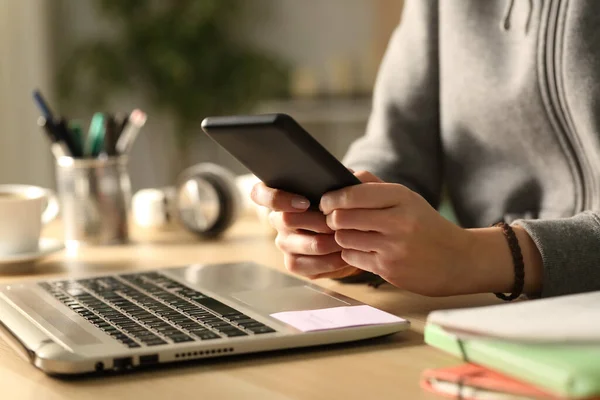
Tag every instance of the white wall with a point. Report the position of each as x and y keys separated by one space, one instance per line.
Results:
x=318 y=33
x=25 y=63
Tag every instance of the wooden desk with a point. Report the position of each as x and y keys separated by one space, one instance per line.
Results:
x=385 y=368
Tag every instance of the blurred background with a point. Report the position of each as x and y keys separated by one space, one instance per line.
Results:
x=180 y=61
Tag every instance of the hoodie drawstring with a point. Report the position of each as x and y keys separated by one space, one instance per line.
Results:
x=505 y=25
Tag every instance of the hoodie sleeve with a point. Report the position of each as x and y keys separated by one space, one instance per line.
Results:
x=402 y=141
x=570 y=250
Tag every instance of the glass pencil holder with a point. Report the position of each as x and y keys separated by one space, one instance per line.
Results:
x=94 y=196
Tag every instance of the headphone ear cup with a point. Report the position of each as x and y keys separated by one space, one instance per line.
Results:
x=228 y=195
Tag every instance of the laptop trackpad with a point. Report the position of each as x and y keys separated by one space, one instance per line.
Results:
x=295 y=298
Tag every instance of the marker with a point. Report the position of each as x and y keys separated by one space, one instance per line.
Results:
x=136 y=121
x=95 y=138
x=58 y=147
x=77 y=133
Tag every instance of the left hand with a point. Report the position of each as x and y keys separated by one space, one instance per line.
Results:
x=389 y=230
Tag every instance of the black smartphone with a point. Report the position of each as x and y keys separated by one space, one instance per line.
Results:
x=276 y=149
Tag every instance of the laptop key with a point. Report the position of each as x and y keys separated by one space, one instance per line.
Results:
x=237 y=332
x=228 y=329
x=149 y=338
x=261 y=329
x=136 y=329
x=191 y=328
x=207 y=336
x=181 y=339
x=220 y=324
x=212 y=319
x=198 y=311
x=120 y=336
x=130 y=343
x=129 y=324
x=237 y=317
x=145 y=336
x=155 y=342
x=197 y=331
x=250 y=324
x=217 y=306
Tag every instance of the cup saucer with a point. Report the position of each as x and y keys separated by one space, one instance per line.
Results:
x=47 y=246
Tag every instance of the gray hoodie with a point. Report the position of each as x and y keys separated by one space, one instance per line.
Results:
x=497 y=101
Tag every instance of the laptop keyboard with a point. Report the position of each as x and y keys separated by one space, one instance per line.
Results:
x=150 y=309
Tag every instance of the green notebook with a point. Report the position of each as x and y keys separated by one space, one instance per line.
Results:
x=571 y=370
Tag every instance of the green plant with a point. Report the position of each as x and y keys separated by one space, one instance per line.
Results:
x=181 y=55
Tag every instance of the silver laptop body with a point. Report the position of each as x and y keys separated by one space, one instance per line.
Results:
x=136 y=319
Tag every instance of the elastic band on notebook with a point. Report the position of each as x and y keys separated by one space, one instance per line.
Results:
x=461 y=386
x=463 y=353
x=461 y=379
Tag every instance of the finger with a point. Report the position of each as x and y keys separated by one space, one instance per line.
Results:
x=278 y=200
x=362 y=241
x=311 y=266
x=307 y=244
x=309 y=221
x=366 y=195
x=340 y=273
x=361 y=219
x=366 y=176
x=360 y=259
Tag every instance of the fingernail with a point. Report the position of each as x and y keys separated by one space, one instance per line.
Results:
x=323 y=204
x=300 y=203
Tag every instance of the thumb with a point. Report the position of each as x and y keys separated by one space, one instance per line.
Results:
x=367 y=177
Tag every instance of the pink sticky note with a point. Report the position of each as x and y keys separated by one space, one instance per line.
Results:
x=337 y=317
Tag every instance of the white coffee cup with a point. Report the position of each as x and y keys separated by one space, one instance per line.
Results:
x=23 y=211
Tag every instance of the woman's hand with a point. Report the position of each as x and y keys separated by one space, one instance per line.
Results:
x=308 y=244
x=389 y=230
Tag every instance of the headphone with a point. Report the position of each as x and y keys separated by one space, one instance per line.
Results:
x=205 y=199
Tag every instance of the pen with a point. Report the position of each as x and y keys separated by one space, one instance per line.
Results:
x=77 y=133
x=95 y=138
x=110 y=135
x=136 y=121
x=65 y=136
x=120 y=121
x=42 y=105
x=58 y=147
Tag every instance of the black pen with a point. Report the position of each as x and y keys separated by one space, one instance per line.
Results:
x=65 y=136
x=58 y=147
x=110 y=135
x=121 y=120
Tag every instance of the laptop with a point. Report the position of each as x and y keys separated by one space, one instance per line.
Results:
x=131 y=320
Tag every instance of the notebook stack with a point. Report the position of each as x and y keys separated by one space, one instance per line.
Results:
x=538 y=349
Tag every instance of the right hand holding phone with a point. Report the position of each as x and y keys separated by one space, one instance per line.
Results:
x=308 y=244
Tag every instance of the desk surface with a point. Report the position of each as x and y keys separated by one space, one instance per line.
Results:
x=385 y=368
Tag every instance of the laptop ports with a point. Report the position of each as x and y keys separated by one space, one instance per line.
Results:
x=148 y=359
x=123 y=363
